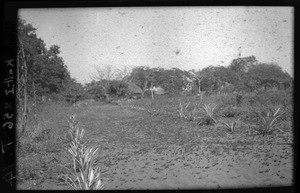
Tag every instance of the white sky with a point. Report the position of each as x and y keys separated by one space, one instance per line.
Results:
x=150 y=36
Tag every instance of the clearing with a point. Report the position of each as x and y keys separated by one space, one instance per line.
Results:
x=138 y=150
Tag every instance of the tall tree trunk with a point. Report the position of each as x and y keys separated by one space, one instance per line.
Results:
x=145 y=87
x=24 y=84
x=199 y=85
x=199 y=89
x=34 y=100
x=152 y=91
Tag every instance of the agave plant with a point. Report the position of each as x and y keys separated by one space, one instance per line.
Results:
x=268 y=122
x=83 y=174
x=182 y=110
x=210 y=111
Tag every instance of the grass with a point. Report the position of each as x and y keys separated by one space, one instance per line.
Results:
x=40 y=150
x=245 y=108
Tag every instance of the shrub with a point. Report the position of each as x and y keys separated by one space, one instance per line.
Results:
x=96 y=91
x=118 y=89
x=73 y=92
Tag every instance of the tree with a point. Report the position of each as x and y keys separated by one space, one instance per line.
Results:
x=243 y=64
x=73 y=91
x=123 y=73
x=40 y=71
x=45 y=68
x=32 y=44
x=174 y=80
x=142 y=76
x=96 y=90
x=118 y=88
x=52 y=73
x=199 y=76
x=240 y=67
x=208 y=79
x=268 y=74
x=103 y=76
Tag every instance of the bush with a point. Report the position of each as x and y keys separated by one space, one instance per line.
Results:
x=73 y=92
x=271 y=98
x=118 y=89
x=96 y=91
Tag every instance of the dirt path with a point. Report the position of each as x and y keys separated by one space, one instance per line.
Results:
x=139 y=151
x=198 y=169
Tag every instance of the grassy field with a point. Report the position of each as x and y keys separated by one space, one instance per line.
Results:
x=148 y=144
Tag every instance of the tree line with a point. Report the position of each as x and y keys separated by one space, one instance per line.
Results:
x=42 y=72
x=244 y=74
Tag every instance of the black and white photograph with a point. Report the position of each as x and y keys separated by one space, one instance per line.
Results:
x=155 y=98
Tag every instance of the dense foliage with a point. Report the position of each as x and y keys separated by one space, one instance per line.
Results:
x=45 y=74
x=243 y=74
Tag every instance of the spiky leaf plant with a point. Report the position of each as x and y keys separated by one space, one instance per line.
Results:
x=183 y=111
x=82 y=175
x=268 y=122
x=210 y=111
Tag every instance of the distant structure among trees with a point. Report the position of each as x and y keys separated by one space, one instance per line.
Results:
x=42 y=72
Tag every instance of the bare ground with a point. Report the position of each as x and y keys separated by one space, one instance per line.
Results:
x=140 y=151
